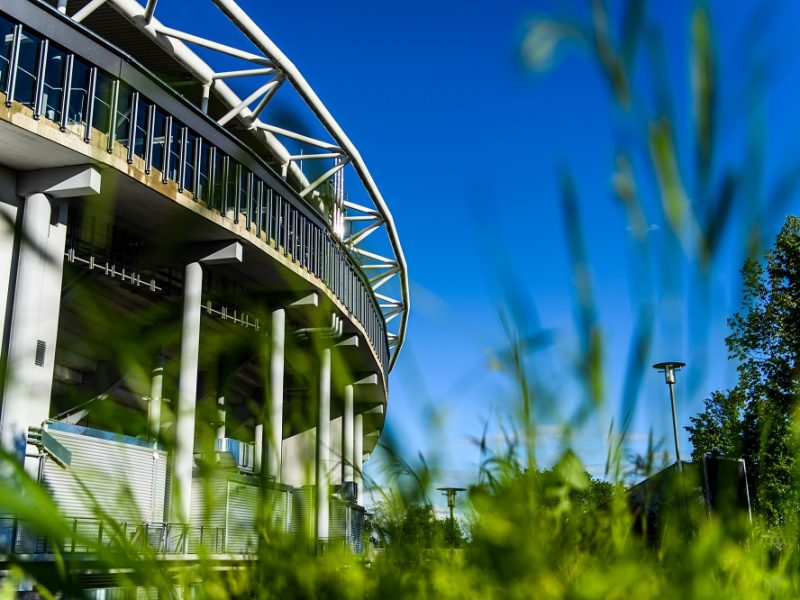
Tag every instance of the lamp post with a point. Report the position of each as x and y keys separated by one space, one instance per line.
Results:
x=451 y=492
x=669 y=368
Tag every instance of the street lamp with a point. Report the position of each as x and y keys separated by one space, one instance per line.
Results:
x=451 y=492
x=669 y=368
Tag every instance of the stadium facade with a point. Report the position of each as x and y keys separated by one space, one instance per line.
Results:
x=186 y=281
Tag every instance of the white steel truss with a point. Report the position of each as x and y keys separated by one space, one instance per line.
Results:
x=352 y=222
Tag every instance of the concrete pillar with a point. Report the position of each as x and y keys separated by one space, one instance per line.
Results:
x=258 y=450
x=34 y=323
x=276 y=366
x=156 y=392
x=222 y=416
x=183 y=452
x=323 y=444
x=37 y=299
x=358 y=454
x=347 y=436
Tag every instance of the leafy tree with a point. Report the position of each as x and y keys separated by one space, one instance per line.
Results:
x=413 y=526
x=755 y=419
x=718 y=430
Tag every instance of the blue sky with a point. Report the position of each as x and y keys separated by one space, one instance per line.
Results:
x=464 y=142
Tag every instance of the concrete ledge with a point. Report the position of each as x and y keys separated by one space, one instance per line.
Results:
x=63 y=182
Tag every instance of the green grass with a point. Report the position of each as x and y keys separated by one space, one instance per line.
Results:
x=531 y=533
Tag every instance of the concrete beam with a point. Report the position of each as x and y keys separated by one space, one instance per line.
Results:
x=371 y=379
x=348 y=342
x=229 y=253
x=308 y=300
x=63 y=182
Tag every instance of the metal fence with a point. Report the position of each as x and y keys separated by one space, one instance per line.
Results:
x=88 y=536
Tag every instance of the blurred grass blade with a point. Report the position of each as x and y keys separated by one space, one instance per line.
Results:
x=591 y=360
x=673 y=196
x=703 y=81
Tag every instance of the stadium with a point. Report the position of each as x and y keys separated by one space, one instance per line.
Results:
x=203 y=298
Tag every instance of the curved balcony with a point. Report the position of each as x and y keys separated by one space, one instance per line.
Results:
x=131 y=120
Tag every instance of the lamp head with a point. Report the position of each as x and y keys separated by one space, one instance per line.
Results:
x=669 y=368
x=451 y=492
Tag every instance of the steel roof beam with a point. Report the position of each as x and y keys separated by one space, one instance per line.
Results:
x=236 y=110
x=316 y=156
x=211 y=45
x=279 y=59
x=243 y=73
x=297 y=136
x=87 y=10
x=324 y=177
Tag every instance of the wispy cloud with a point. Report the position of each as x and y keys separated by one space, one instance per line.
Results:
x=642 y=229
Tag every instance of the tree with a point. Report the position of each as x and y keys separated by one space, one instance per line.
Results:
x=413 y=527
x=718 y=430
x=755 y=419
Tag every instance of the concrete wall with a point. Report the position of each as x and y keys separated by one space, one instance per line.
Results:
x=299 y=454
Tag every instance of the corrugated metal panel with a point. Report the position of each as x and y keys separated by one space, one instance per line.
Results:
x=124 y=481
x=209 y=502
x=279 y=505
x=209 y=497
x=337 y=525
x=243 y=500
x=303 y=510
x=356 y=532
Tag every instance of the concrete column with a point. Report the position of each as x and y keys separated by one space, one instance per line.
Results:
x=358 y=453
x=258 y=451
x=156 y=391
x=323 y=444
x=183 y=452
x=34 y=323
x=222 y=416
x=276 y=366
x=37 y=299
x=347 y=436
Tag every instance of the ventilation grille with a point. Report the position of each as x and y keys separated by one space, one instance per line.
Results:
x=41 y=347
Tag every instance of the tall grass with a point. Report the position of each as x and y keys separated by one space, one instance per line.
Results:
x=554 y=533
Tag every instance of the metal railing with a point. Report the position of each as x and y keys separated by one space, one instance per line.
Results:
x=88 y=536
x=91 y=535
x=62 y=87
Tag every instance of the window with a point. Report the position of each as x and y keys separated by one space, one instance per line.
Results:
x=53 y=90
x=188 y=161
x=6 y=43
x=101 y=119
x=79 y=92
x=174 y=150
x=218 y=184
x=140 y=131
x=203 y=173
x=29 y=49
x=123 y=114
x=159 y=139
